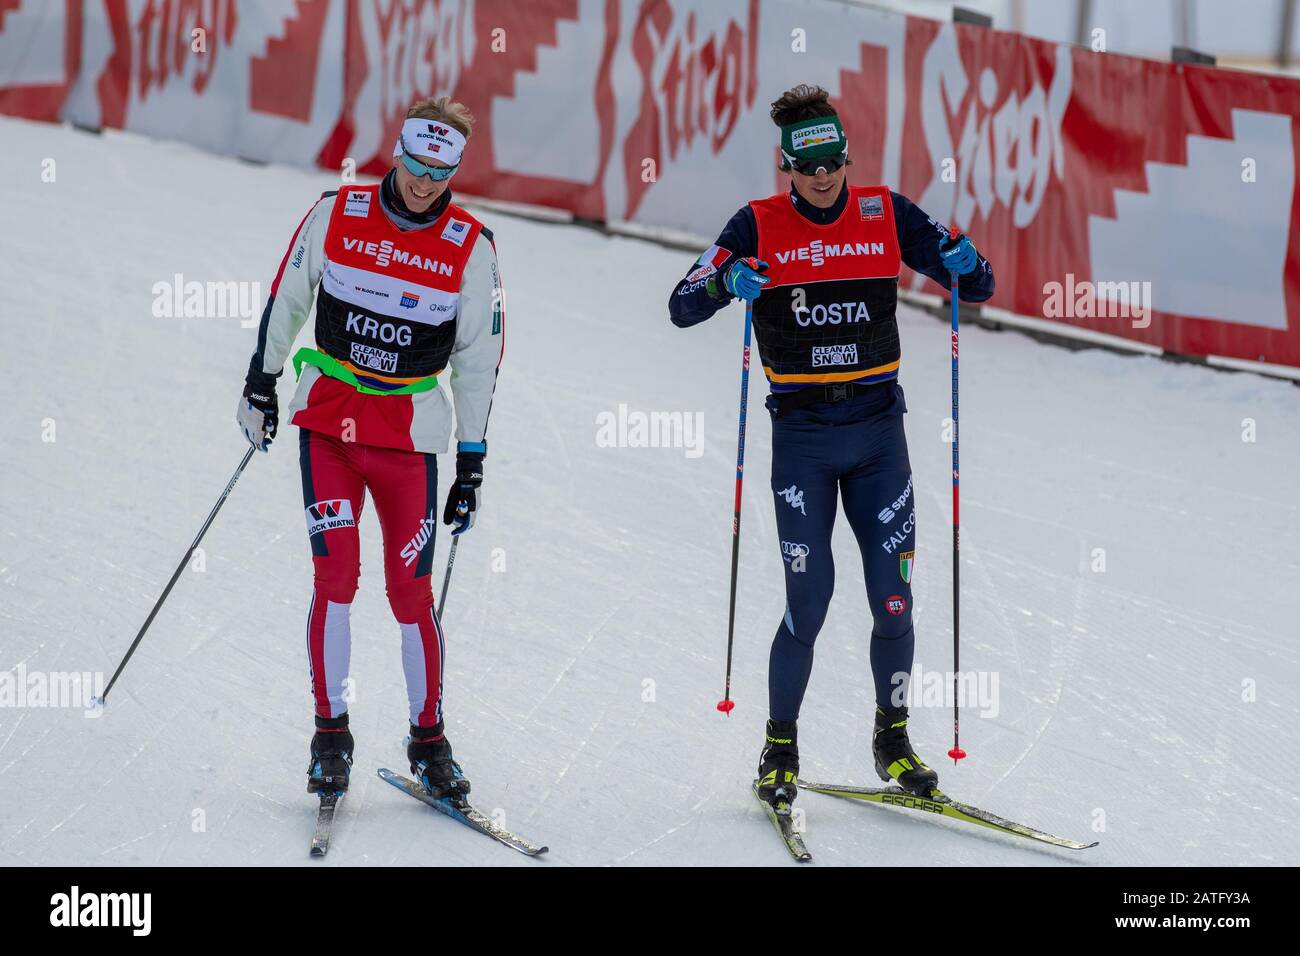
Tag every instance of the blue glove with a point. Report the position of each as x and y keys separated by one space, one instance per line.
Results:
x=958 y=255
x=744 y=279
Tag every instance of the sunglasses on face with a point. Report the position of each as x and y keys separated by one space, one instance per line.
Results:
x=809 y=167
x=417 y=168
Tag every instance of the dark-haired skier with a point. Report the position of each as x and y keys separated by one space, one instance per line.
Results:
x=821 y=264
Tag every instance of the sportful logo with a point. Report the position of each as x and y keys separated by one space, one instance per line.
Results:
x=327 y=515
x=413 y=547
x=887 y=514
x=817 y=252
x=409 y=300
x=385 y=253
x=794 y=498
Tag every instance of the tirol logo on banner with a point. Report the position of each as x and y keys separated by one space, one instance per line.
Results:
x=1071 y=170
x=695 y=82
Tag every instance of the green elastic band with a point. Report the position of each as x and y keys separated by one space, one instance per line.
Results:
x=332 y=367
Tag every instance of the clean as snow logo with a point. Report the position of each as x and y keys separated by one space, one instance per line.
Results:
x=887 y=514
x=835 y=355
x=409 y=300
x=871 y=207
x=130 y=910
x=905 y=561
x=327 y=515
x=895 y=604
x=367 y=356
x=413 y=547
x=794 y=498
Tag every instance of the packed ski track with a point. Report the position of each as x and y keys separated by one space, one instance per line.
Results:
x=1150 y=705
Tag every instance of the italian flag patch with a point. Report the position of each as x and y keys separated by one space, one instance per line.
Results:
x=905 y=560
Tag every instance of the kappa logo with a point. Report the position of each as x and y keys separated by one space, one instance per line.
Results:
x=794 y=498
x=887 y=514
x=422 y=537
x=895 y=604
x=409 y=300
x=325 y=516
x=835 y=355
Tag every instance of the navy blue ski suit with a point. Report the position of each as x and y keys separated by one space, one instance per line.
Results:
x=853 y=450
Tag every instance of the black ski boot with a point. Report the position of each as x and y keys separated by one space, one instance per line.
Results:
x=778 y=767
x=331 y=756
x=895 y=758
x=431 y=763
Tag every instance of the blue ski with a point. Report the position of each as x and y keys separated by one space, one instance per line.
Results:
x=463 y=812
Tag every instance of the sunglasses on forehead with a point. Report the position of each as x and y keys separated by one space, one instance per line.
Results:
x=417 y=168
x=809 y=167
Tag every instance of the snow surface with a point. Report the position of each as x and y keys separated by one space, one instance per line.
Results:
x=586 y=620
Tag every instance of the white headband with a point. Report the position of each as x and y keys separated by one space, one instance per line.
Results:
x=430 y=139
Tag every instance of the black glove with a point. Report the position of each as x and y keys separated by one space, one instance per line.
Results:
x=259 y=411
x=462 y=497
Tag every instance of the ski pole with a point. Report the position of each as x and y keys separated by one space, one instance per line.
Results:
x=451 y=560
x=727 y=704
x=956 y=753
x=102 y=699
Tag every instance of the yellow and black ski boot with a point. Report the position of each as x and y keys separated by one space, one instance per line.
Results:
x=778 y=767
x=895 y=758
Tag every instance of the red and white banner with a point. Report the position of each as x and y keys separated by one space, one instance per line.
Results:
x=1148 y=200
